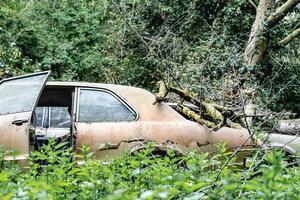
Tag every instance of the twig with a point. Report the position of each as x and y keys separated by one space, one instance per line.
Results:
x=252 y=3
x=145 y=43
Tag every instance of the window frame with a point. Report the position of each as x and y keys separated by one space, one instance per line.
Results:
x=43 y=116
x=47 y=73
x=120 y=99
x=47 y=119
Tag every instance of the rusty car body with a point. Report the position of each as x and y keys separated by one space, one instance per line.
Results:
x=108 y=118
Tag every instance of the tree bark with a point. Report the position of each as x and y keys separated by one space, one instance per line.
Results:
x=196 y=117
x=206 y=108
x=1 y=74
x=162 y=93
x=291 y=127
x=257 y=44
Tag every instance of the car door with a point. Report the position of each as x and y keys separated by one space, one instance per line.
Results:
x=18 y=98
x=105 y=122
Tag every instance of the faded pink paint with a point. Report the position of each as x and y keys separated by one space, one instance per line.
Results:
x=159 y=123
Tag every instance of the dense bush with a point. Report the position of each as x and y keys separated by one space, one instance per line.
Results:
x=148 y=176
x=199 y=43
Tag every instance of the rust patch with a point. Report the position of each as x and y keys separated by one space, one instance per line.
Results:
x=202 y=144
x=159 y=148
x=108 y=145
x=15 y=138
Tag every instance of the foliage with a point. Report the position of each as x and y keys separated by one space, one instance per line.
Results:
x=198 y=43
x=147 y=176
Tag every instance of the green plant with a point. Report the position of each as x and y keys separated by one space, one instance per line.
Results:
x=141 y=176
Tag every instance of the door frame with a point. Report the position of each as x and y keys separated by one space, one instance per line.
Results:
x=108 y=126
x=26 y=125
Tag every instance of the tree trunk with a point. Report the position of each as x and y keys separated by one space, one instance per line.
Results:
x=291 y=127
x=258 y=42
x=265 y=19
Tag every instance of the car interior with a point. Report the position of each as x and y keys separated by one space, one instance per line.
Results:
x=53 y=116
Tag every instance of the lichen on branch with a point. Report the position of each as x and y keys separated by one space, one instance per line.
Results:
x=210 y=114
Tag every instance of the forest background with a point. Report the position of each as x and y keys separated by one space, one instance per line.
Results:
x=205 y=46
x=229 y=52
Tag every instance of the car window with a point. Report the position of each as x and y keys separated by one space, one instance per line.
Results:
x=19 y=95
x=101 y=106
x=60 y=117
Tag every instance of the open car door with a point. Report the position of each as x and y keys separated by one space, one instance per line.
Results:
x=18 y=98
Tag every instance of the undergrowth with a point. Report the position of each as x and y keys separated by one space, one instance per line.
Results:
x=148 y=176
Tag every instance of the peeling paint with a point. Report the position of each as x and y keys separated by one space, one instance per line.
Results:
x=108 y=145
x=158 y=123
x=202 y=144
x=12 y=137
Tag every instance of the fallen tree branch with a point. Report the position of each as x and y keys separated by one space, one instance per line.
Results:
x=162 y=93
x=232 y=124
x=210 y=110
x=1 y=74
x=206 y=108
x=291 y=126
x=196 y=117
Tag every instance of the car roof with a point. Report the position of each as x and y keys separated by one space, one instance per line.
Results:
x=139 y=99
x=82 y=84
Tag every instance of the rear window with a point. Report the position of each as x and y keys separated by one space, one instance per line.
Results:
x=101 y=106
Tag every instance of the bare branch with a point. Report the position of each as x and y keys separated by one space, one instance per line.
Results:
x=252 y=4
x=281 y=12
x=289 y=38
x=162 y=93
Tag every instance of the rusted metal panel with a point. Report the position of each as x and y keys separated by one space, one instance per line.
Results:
x=96 y=135
x=14 y=137
x=159 y=123
x=15 y=122
x=112 y=138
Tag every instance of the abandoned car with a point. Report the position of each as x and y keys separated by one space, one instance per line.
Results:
x=108 y=118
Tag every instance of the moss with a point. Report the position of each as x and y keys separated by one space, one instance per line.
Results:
x=196 y=117
x=162 y=93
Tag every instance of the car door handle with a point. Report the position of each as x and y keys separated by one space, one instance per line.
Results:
x=19 y=122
